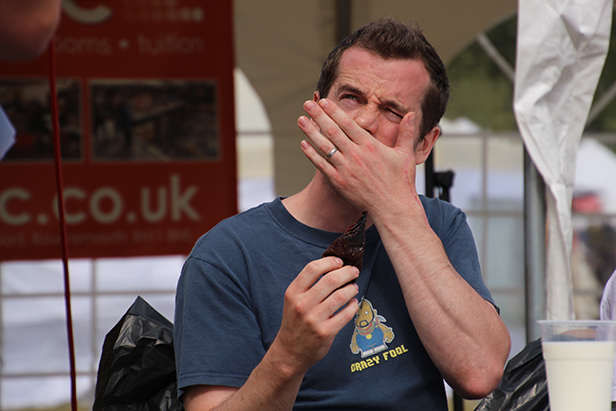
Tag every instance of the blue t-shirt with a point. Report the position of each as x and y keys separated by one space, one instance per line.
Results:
x=230 y=299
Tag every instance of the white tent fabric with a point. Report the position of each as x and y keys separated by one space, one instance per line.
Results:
x=561 y=50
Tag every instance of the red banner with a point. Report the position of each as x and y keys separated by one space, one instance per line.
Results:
x=145 y=94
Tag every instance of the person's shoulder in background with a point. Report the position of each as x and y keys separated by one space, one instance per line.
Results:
x=607 y=309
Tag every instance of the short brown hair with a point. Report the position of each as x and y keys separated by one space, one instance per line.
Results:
x=390 y=39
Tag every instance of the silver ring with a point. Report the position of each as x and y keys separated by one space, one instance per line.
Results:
x=331 y=153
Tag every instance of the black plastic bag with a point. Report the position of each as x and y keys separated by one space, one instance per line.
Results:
x=137 y=366
x=524 y=385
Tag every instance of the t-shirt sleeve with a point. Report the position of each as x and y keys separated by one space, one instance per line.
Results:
x=451 y=225
x=462 y=252
x=217 y=338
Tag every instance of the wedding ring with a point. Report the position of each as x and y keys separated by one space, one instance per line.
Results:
x=331 y=153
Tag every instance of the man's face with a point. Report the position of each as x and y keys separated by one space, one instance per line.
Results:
x=377 y=93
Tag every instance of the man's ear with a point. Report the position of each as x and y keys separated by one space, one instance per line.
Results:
x=423 y=149
x=316 y=97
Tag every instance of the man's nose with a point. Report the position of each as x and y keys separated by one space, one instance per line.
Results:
x=366 y=117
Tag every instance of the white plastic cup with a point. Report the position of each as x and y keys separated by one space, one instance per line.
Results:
x=579 y=360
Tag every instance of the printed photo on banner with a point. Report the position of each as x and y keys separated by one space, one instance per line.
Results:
x=154 y=120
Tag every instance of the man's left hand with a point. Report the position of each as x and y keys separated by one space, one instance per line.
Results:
x=363 y=170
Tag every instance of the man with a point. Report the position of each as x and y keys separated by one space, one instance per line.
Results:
x=26 y=27
x=262 y=322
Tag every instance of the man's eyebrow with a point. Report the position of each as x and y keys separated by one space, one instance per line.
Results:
x=347 y=88
x=395 y=106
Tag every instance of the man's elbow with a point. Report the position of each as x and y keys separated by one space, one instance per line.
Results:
x=485 y=377
x=480 y=384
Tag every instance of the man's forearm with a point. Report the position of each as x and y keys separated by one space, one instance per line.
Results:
x=461 y=331
x=272 y=386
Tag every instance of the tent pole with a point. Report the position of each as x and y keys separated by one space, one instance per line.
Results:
x=343 y=19
x=534 y=248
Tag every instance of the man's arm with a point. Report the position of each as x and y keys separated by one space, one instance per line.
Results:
x=316 y=307
x=462 y=332
x=26 y=27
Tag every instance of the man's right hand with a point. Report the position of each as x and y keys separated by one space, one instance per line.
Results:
x=310 y=320
x=317 y=304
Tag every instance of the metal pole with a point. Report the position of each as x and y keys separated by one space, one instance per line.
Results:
x=429 y=175
x=534 y=247
x=343 y=19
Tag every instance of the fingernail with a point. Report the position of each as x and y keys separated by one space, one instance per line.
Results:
x=324 y=103
x=303 y=121
x=309 y=105
x=412 y=118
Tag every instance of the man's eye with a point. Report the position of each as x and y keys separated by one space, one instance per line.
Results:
x=396 y=114
x=348 y=97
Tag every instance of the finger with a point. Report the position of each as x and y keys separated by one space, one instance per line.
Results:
x=407 y=133
x=340 y=298
x=331 y=153
x=333 y=282
x=331 y=132
x=313 y=271
x=346 y=130
x=320 y=162
x=342 y=317
x=320 y=142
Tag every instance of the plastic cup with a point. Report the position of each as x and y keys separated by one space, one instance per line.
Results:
x=579 y=360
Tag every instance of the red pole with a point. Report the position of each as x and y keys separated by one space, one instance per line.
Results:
x=53 y=97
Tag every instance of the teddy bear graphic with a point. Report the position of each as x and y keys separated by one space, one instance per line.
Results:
x=370 y=335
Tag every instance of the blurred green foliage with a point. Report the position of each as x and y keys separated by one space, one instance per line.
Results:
x=484 y=95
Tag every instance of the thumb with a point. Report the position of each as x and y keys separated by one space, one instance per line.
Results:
x=407 y=133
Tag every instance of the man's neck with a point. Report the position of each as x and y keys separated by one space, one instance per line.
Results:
x=318 y=205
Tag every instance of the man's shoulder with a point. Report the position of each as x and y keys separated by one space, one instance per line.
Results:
x=436 y=206
x=446 y=219
x=243 y=225
x=255 y=216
